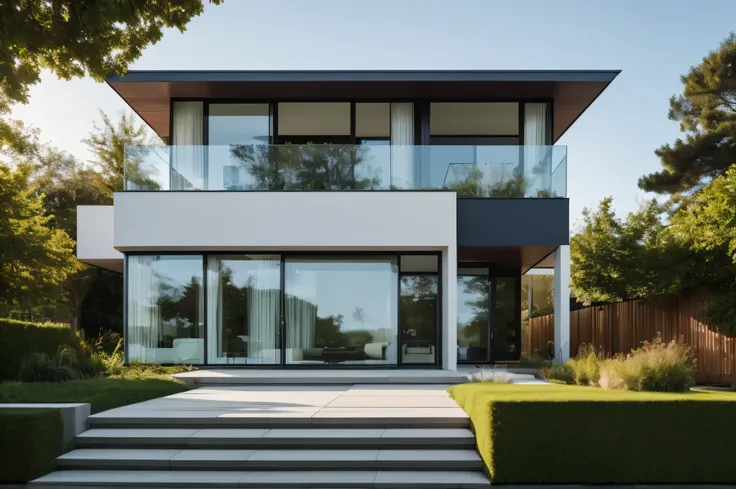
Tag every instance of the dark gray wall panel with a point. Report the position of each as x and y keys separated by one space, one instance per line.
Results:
x=513 y=222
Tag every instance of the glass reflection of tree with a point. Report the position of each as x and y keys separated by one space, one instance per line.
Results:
x=307 y=167
x=475 y=331
x=180 y=306
x=140 y=174
x=469 y=183
x=418 y=307
x=506 y=318
x=328 y=333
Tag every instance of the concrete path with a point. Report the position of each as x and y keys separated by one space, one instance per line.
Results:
x=232 y=406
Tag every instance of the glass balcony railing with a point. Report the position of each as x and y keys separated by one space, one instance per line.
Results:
x=471 y=171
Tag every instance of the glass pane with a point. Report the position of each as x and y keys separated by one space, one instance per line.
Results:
x=165 y=304
x=243 y=309
x=418 y=316
x=506 y=320
x=472 y=318
x=233 y=129
x=341 y=310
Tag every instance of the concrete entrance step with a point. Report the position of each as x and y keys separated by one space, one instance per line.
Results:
x=359 y=479
x=235 y=376
x=349 y=417
x=272 y=459
x=310 y=438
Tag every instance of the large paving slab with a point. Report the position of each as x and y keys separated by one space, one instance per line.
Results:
x=297 y=406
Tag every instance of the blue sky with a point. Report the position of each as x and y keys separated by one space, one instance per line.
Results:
x=609 y=147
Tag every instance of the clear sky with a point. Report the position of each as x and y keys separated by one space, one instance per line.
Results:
x=609 y=147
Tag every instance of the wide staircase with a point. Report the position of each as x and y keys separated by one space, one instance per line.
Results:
x=350 y=449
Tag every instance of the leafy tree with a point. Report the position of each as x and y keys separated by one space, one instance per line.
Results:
x=120 y=151
x=708 y=228
x=706 y=111
x=65 y=184
x=73 y=38
x=614 y=260
x=35 y=259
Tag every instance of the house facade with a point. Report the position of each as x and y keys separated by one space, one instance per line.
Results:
x=342 y=219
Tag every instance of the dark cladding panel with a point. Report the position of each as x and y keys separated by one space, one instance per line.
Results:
x=513 y=222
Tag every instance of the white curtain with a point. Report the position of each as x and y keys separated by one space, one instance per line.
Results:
x=300 y=308
x=144 y=315
x=402 y=145
x=187 y=153
x=537 y=161
x=214 y=312
x=263 y=296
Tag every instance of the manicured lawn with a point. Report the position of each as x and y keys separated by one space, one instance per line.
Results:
x=102 y=394
x=570 y=434
x=555 y=392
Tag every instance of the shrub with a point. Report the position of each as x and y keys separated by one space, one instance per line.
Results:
x=656 y=366
x=39 y=367
x=19 y=339
x=561 y=372
x=585 y=366
x=30 y=440
x=534 y=361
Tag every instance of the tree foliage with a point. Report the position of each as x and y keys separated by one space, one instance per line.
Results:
x=120 y=149
x=618 y=259
x=706 y=111
x=35 y=259
x=73 y=38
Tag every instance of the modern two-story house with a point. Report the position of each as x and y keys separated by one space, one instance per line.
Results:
x=339 y=218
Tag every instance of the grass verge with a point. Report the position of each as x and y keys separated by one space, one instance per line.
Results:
x=102 y=393
x=532 y=434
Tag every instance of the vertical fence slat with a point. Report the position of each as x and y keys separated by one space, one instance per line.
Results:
x=621 y=327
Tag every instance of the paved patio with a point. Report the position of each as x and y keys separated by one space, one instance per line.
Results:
x=296 y=405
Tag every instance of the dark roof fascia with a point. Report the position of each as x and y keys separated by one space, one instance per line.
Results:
x=600 y=76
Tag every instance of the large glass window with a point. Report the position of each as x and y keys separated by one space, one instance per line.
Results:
x=341 y=310
x=165 y=304
x=238 y=138
x=243 y=309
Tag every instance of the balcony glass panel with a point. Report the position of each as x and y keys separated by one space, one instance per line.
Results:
x=498 y=171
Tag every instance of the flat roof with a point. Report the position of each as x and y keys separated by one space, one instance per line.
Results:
x=149 y=93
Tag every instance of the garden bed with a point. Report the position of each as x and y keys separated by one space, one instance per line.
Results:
x=531 y=434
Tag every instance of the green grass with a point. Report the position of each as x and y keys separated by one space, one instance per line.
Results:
x=102 y=394
x=572 y=434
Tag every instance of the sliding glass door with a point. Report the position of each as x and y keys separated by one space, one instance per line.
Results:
x=291 y=309
x=341 y=310
x=244 y=309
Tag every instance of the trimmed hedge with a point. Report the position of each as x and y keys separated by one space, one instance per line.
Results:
x=18 y=339
x=573 y=435
x=30 y=440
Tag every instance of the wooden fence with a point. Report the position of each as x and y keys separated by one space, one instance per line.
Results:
x=621 y=327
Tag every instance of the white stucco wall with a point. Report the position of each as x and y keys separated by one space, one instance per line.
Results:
x=284 y=220
x=95 y=237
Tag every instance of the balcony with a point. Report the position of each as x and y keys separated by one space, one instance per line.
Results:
x=471 y=171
